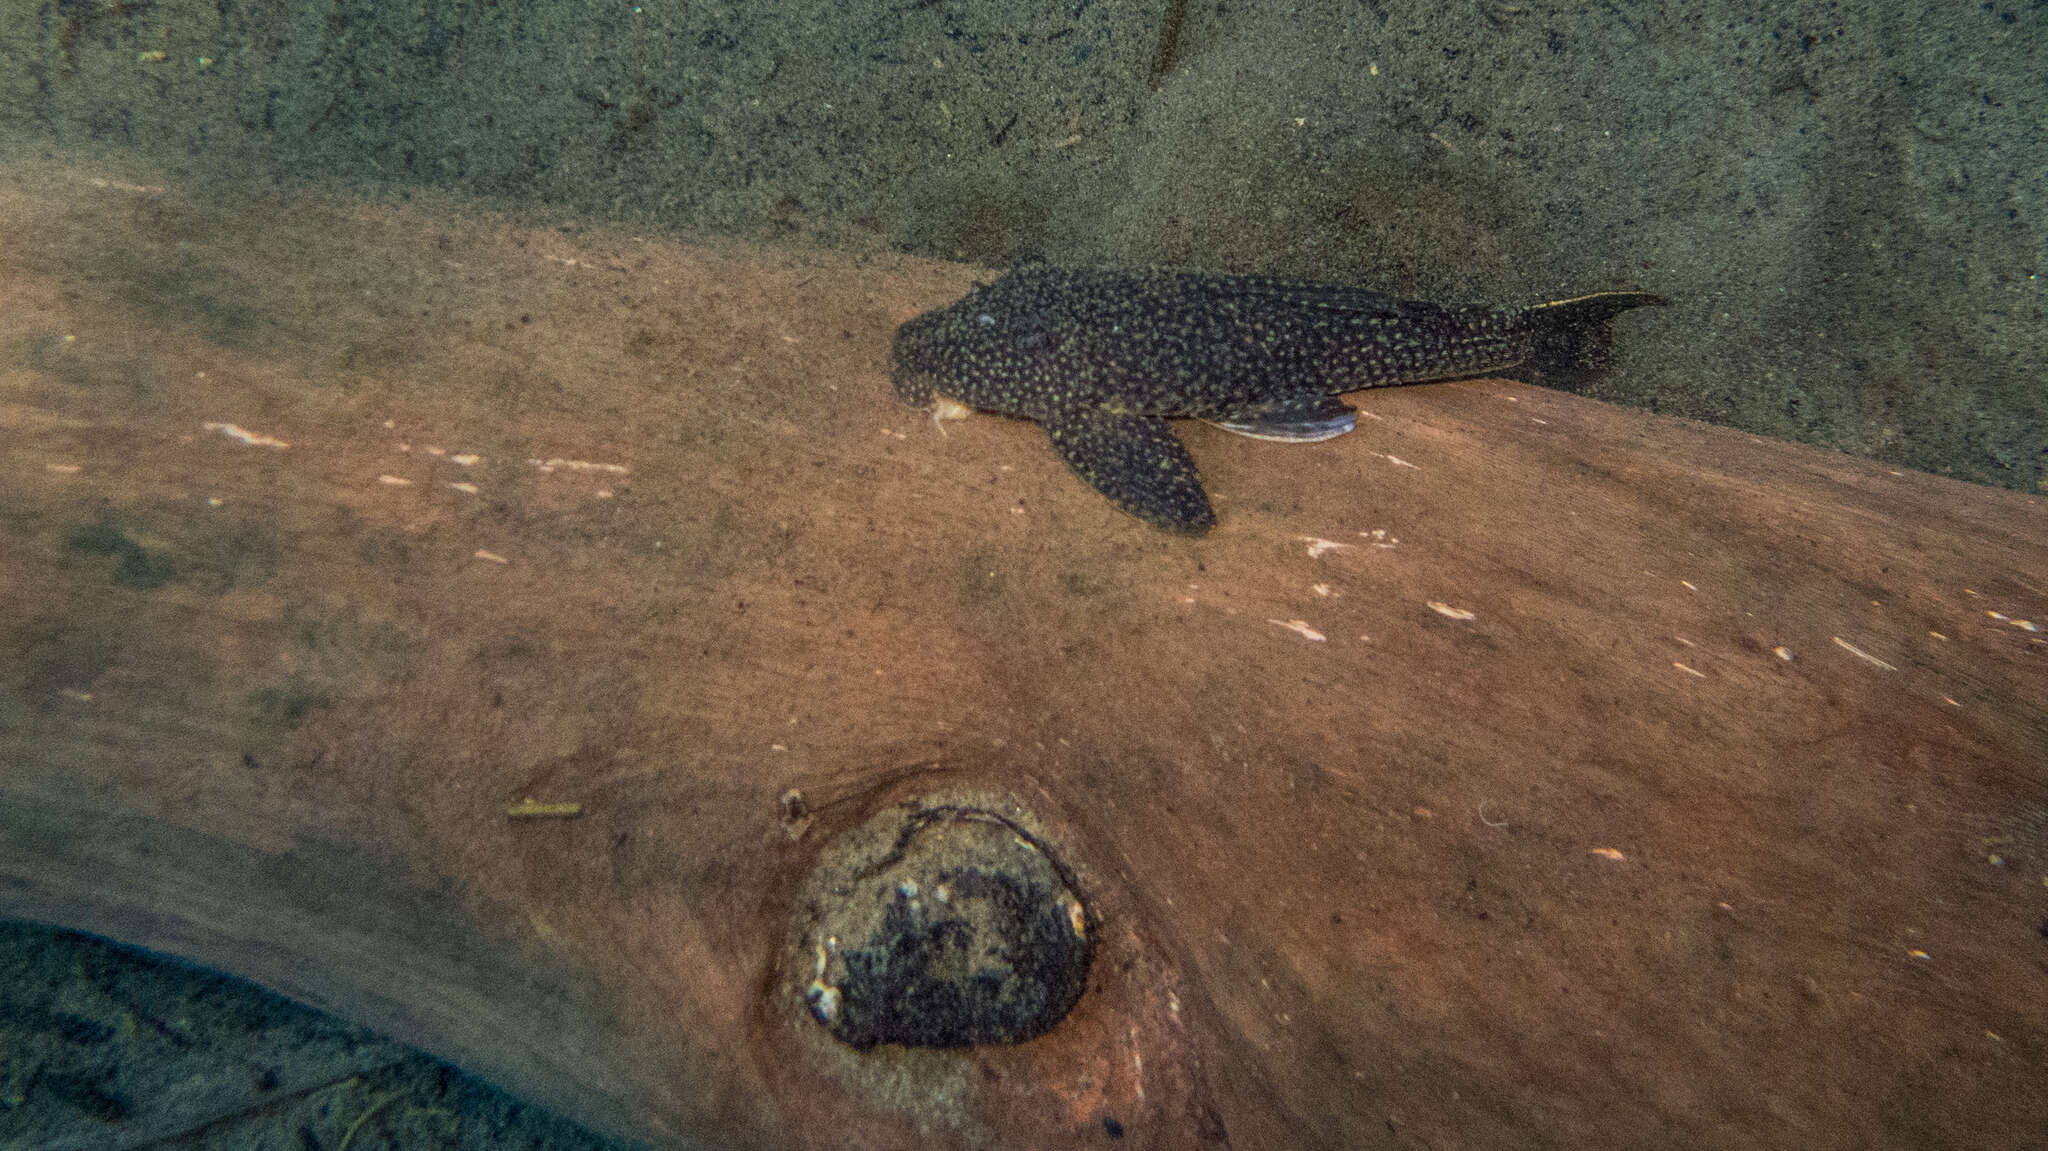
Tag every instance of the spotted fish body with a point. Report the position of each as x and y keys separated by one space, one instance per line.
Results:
x=1102 y=359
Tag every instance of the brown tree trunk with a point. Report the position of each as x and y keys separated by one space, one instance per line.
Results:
x=1514 y=771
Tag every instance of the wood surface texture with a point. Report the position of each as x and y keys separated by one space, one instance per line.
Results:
x=1517 y=771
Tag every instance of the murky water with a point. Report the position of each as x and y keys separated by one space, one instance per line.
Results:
x=495 y=628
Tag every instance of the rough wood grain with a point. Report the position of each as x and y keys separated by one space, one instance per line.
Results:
x=1721 y=821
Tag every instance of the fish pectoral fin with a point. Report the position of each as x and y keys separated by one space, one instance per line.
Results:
x=1137 y=462
x=1308 y=420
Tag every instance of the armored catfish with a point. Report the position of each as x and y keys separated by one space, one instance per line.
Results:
x=1104 y=358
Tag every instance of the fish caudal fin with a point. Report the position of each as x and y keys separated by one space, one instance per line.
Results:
x=1137 y=462
x=1571 y=339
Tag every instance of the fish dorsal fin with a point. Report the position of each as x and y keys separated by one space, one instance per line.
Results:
x=1137 y=462
x=1307 y=420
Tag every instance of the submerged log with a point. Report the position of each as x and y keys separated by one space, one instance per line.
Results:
x=498 y=635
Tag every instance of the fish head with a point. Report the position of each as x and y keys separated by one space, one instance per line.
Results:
x=988 y=348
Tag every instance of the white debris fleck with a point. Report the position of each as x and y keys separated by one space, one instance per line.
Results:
x=1784 y=653
x=1321 y=589
x=466 y=459
x=1688 y=670
x=1444 y=609
x=238 y=432
x=1318 y=547
x=395 y=481
x=1300 y=626
x=465 y=489
x=492 y=557
x=63 y=469
x=558 y=464
x=118 y=185
x=1607 y=853
x=1859 y=653
x=1077 y=917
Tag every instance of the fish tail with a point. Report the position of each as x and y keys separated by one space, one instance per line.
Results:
x=1571 y=339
